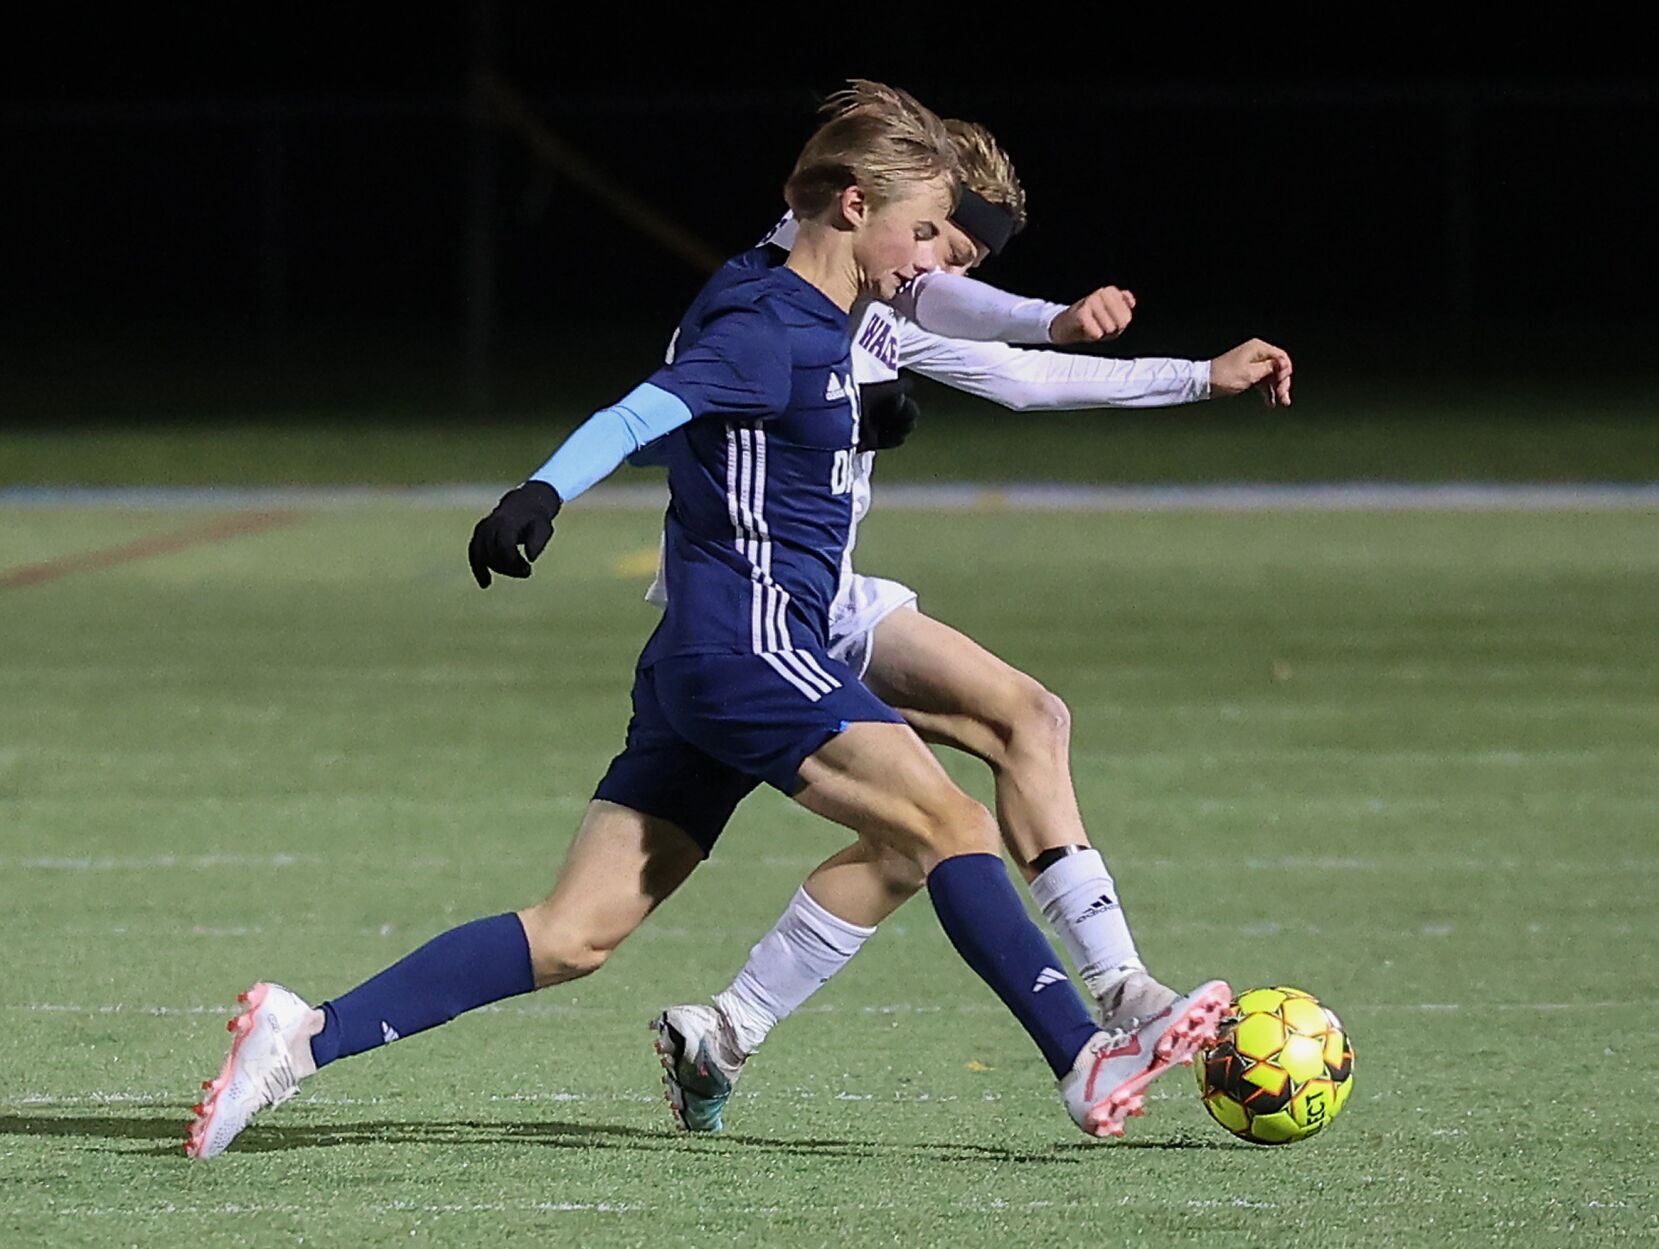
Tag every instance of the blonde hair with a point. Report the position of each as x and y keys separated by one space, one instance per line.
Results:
x=874 y=137
x=986 y=169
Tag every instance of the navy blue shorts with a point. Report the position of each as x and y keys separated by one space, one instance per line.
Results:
x=707 y=729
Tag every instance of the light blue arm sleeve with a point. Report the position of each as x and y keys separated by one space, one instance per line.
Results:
x=651 y=455
x=609 y=436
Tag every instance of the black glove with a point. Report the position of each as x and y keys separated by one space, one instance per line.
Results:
x=887 y=414
x=524 y=517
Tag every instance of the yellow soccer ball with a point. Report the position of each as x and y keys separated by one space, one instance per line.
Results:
x=1281 y=1067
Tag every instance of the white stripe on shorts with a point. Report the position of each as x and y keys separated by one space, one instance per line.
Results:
x=818 y=682
x=775 y=658
x=811 y=661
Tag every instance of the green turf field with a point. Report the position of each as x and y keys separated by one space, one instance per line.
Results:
x=1230 y=443
x=1407 y=761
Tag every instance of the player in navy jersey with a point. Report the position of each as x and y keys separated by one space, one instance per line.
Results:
x=950 y=689
x=736 y=686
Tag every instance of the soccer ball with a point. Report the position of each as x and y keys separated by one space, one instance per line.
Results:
x=1281 y=1067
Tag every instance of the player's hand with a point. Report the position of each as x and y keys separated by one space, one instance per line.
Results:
x=887 y=414
x=1257 y=364
x=524 y=517
x=1094 y=318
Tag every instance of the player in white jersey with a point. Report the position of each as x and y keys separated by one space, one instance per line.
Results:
x=953 y=691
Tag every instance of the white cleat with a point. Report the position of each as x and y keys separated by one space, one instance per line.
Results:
x=1132 y=997
x=1107 y=1084
x=701 y=1061
x=264 y=1068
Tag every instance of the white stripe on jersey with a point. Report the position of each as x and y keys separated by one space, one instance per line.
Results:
x=777 y=634
x=734 y=512
x=769 y=604
x=745 y=505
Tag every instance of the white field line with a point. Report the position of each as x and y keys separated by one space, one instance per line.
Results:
x=161 y=862
x=896 y=1008
x=647 y=1098
x=936 y=496
x=395 y=1207
x=1511 y=758
x=1413 y=860
x=152 y=1099
x=983 y=1205
x=987 y=1205
x=994 y=1204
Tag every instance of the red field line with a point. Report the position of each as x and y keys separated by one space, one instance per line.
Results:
x=221 y=530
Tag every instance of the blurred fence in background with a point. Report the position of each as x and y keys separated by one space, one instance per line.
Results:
x=456 y=253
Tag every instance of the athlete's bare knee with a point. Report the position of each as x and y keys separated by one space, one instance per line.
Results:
x=1048 y=718
x=1033 y=722
x=561 y=961
x=901 y=877
x=563 y=949
x=956 y=824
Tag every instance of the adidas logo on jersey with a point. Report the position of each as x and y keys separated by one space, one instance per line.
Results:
x=836 y=388
x=387 y=1032
x=1046 y=977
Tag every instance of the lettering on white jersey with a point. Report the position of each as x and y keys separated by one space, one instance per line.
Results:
x=879 y=339
x=783 y=234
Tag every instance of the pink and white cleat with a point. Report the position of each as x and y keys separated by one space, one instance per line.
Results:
x=1107 y=1083
x=270 y=1053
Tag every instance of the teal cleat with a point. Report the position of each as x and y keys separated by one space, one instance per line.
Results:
x=700 y=1064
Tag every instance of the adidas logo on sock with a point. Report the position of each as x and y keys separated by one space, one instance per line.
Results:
x=835 y=390
x=387 y=1032
x=1099 y=906
x=1046 y=977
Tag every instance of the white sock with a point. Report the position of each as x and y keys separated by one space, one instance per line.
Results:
x=1081 y=902
x=805 y=948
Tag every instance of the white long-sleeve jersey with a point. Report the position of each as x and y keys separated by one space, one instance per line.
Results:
x=958 y=306
x=1035 y=380
x=886 y=340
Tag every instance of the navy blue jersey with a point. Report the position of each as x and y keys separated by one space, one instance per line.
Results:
x=761 y=478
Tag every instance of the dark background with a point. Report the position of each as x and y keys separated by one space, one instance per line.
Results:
x=275 y=210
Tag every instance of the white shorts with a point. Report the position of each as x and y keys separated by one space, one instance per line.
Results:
x=862 y=604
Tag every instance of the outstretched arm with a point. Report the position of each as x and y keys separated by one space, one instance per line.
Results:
x=956 y=306
x=597 y=447
x=1026 y=380
x=525 y=514
x=1031 y=381
x=738 y=367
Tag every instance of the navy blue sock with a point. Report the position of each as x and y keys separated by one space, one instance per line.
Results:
x=982 y=916
x=456 y=971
